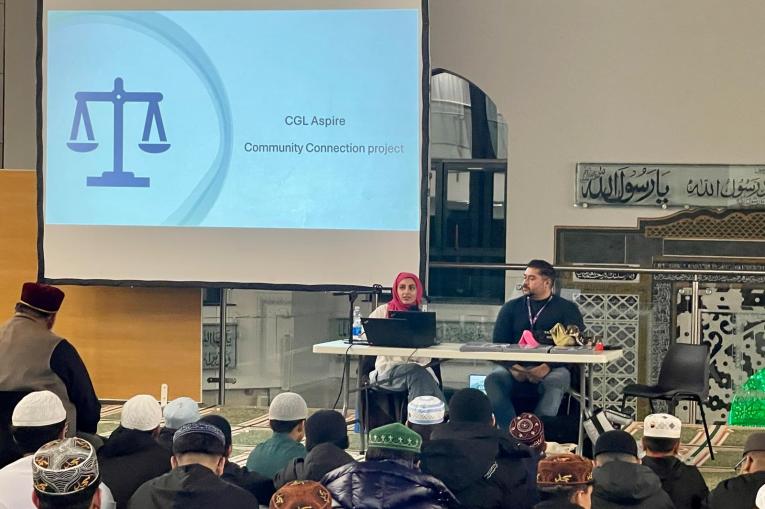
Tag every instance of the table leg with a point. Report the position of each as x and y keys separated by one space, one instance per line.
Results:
x=582 y=403
x=590 y=400
x=603 y=386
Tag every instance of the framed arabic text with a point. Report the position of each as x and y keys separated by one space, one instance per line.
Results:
x=211 y=345
x=671 y=185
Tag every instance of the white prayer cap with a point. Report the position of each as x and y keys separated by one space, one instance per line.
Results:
x=426 y=410
x=760 y=500
x=39 y=408
x=288 y=406
x=141 y=413
x=662 y=426
x=180 y=411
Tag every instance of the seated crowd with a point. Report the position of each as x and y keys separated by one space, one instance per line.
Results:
x=473 y=452
x=437 y=460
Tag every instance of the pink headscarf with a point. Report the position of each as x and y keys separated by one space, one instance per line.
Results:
x=395 y=304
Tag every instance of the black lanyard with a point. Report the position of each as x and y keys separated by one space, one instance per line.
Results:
x=533 y=319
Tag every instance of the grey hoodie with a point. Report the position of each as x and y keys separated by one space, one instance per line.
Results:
x=619 y=484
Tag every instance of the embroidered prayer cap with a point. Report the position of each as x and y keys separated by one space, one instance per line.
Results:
x=528 y=429
x=287 y=406
x=64 y=467
x=42 y=298
x=141 y=413
x=180 y=411
x=199 y=437
x=564 y=470
x=39 y=408
x=662 y=426
x=301 y=495
x=395 y=436
x=426 y=410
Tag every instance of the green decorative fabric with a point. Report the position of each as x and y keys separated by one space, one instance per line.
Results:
x=748 y=405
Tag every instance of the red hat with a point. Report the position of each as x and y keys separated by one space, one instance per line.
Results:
x=42 y=298
x=301 y=495
x=528 y=429
x=564 y=470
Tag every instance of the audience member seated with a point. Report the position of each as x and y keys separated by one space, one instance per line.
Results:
x=131 y=456
x=39 y=418
x=399 y=373
x=564 y=481
x=529 y=430
x=661 y=441
x=177 y=412
x=326 y=439
x=389 y=478
x=260 y=486
x=423 y=413
x=537 y=311
x=741 y=491
x=194 y=482
x=286 y=416
x=65 y=475
x=480 y=464
x=34 y=357
x=620 y=479
x=301 y=495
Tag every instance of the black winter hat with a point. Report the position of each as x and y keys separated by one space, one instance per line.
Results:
x=616 y=441
x=326 y=426
x=470 y=405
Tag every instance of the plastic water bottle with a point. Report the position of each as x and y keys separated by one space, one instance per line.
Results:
x=356 y=328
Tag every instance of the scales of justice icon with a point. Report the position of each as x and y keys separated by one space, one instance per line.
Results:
x=118 y=177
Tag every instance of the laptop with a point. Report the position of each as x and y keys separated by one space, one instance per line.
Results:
x=404 y=329
x=477 y=382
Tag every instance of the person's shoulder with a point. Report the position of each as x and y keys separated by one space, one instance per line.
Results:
x=380 y=311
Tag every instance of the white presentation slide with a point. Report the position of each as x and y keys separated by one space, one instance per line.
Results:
x=242 y=142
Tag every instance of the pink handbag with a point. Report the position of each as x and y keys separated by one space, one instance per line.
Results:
x=527 y=340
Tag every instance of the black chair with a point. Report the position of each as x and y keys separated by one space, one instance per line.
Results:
x=684 y=376
x=378 y=405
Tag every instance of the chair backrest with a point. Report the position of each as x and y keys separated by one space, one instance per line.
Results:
x=685 y=368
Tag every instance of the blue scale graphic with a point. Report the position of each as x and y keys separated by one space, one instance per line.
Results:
x=118 y=97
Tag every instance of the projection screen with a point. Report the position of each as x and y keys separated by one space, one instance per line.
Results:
x=243 y=143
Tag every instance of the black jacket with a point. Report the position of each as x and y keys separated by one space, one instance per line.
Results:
x=619 y=484
x=128 y=459
x=260 y=486
x=191 y=487
x=482 y=466
x=736 y=492
x=320 y=460
x=386 y=484
x=557 y=504
x=683 y=483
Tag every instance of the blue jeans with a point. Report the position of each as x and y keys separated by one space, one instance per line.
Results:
x=499 y=386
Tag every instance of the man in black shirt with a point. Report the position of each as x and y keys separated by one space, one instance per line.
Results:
x=538 y=311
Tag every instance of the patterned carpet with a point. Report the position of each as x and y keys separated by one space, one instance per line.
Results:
x=250 y=427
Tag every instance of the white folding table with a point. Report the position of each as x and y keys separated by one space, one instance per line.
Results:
x=446 y=351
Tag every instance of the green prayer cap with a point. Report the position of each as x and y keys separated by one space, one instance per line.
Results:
x=395 y=436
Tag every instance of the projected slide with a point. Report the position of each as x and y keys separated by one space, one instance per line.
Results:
x=245 y=119
x=239 y=143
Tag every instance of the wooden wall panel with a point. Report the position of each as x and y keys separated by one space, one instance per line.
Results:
x=131 y=339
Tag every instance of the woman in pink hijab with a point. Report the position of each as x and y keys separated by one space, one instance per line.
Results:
x=408 y=373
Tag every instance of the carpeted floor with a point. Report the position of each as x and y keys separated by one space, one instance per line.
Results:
x=250 y=427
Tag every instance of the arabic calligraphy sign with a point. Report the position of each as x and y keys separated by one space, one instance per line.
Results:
x=671 y=185
x=211 y=345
